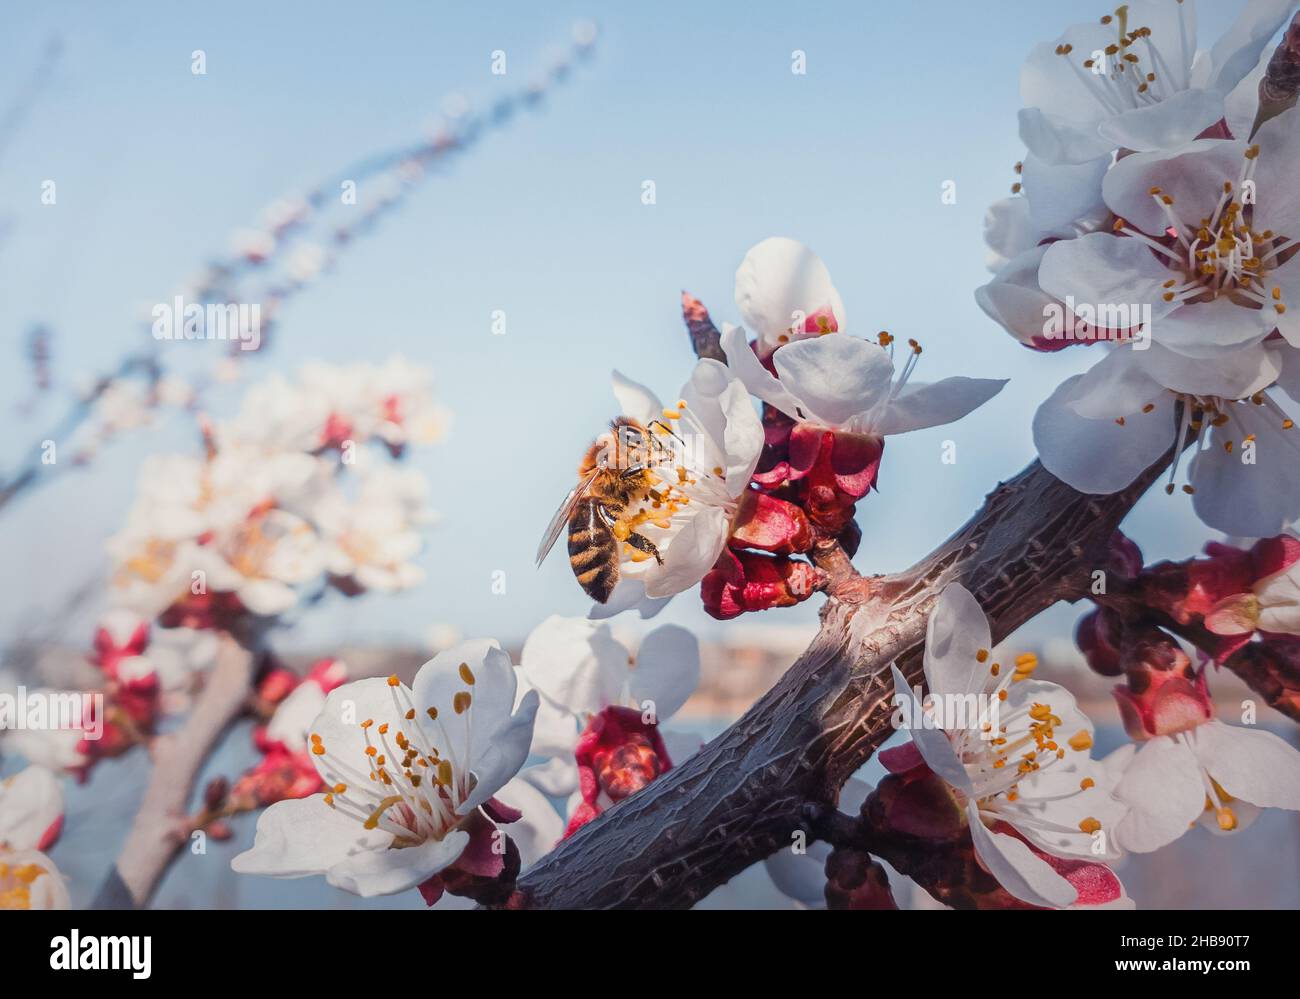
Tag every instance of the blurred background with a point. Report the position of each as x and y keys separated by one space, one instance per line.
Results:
x=540 y=222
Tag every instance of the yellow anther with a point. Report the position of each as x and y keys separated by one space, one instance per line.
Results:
x=982 y=656
x=461 y=702
x=1080 y=741
x=1086 y=783
x=393 y=681
x=466 y=674
x=1089 y=825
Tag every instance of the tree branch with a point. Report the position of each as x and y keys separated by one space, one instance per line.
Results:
x=160 y=829
x=1034 y=542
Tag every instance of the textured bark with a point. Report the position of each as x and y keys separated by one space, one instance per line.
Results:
x=1034 y=542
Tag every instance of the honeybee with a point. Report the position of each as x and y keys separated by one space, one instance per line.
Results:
x=616 y=472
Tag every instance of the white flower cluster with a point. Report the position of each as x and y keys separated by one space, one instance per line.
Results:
x=286 y=499
x=1155 y=215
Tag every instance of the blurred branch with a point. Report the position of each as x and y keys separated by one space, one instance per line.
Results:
x=12 y=119
x=406 y=166
x=161 y=827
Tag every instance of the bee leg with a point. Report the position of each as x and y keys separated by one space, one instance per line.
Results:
x=642 y=543
x=665 y=428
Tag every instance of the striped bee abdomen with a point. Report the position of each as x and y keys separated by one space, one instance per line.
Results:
x=593 y=550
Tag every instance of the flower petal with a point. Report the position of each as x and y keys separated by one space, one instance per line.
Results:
x=1061 y=194
x=1102 y=269
x=556 y=778
x=1250 y=763
x=339 y=722
x=576 y=663
x=922 y=405
x=635 y=400
x=756 y=378
x=835 y=377
x=690 y=553
x=1100 y=456
x=800 y=876
x=540 y=828
x=493 y=691
x=386 y=872
x=1247 y=499
x=933 y=745
x=1027 y=877
x=504 y=754
x=1162 y=787
x=667 y=670
x=955 y=633
x=31 y=804
x=629 y=594
x=1172 y=122
x=302 y=836
x=1241 y=46
x=778 y=279
x=1278 y=204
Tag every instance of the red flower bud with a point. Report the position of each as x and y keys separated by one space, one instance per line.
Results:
x=278 y=684
x=855 y=881
x=1098 y=637
x=618 y=754
x=771 y=525
x=1125 y=555
x=1165 y=693
x=754 y=581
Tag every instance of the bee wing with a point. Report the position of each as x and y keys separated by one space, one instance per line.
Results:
x=562 y=516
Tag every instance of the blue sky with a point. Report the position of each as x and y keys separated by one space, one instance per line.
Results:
x=156 y=166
